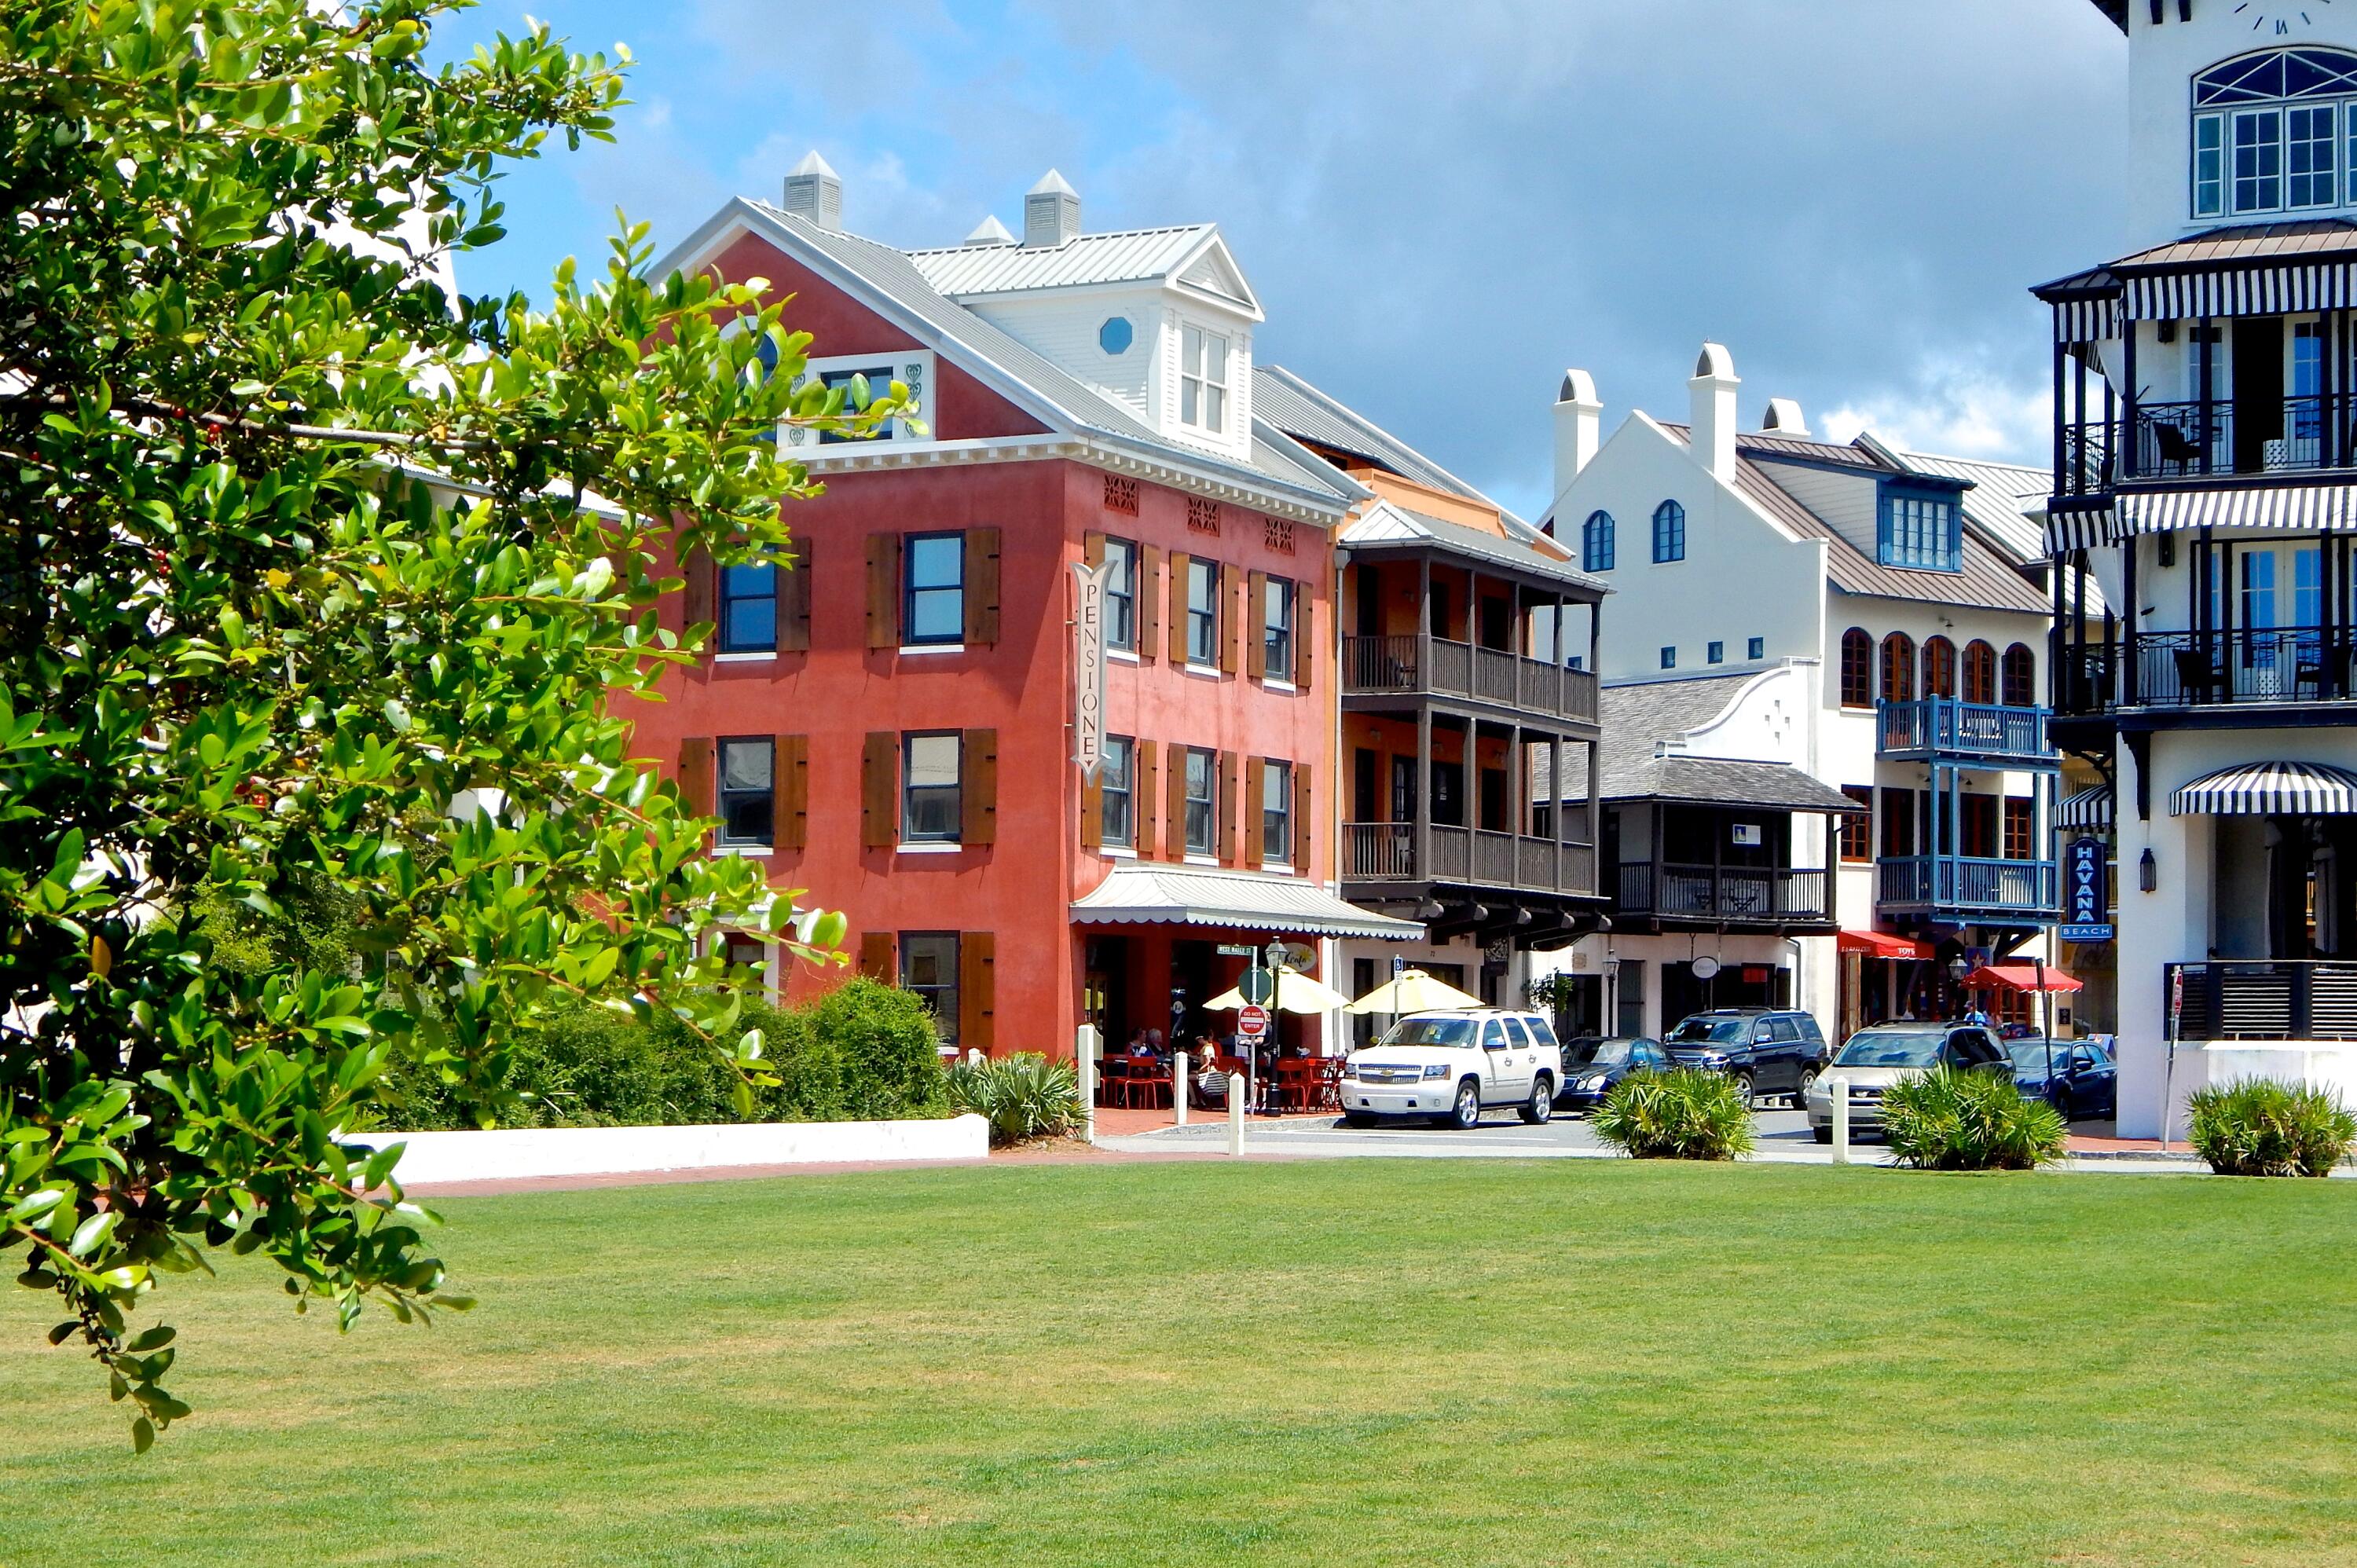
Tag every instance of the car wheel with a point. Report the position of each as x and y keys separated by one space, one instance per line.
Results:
x=1824 y=1134
x=1541 y=1109
x=2062 y=1106
x=1465 y=1113
x=1801 y=1091
x=1743 y=1088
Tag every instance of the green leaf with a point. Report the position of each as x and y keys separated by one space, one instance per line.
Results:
x=143 y=1435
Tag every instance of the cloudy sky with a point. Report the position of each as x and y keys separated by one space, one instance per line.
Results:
x=1442 y=203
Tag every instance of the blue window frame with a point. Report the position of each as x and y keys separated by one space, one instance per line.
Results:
x=2209 y=165
x=1596 y=546
x=1756 y=648
x=2268 y=134
x=748 y=608
x=933 y=610
x=1669 y=531
x=1669 y=658
x=1921 y=531
x=878 y=380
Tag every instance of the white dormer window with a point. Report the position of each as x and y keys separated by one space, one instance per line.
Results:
x=1203 y=380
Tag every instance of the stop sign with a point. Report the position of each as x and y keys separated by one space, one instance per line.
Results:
x=1252 y=1023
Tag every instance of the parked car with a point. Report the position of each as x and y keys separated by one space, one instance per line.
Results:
x=1767 y=1053
x=1451 y=1067
x=1873 y=1060
x=1592 y=1067
x=2082 y=1081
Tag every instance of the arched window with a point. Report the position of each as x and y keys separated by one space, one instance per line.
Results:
x=1897 y=668
x=1856 y=669
x=1669 y=531
x=1596 y=542
x=2020 y=677
x=2266 y=132
x=1939 y=668
x=1980 y=672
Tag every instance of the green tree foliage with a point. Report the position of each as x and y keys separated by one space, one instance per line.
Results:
x=311 y=611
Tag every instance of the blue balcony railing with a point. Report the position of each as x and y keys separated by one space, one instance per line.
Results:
x=1944 y=726
x=1970 y=885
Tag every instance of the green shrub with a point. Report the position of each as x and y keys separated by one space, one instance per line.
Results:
x=1022 y=1096
x=1687 y=1114
x=886 y=1046
x=1948 y=1120
x=2260 y=1127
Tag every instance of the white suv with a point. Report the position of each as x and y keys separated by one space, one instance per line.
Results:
x=1452 y=1065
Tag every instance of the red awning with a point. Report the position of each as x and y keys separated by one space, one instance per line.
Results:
x=1881 y=944
x=2020 y=977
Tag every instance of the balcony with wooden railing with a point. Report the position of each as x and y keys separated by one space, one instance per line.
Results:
x=1765 y=895
x=1950 y=729
x=1417 y=664
x=1974 y=887
x=1378 y=852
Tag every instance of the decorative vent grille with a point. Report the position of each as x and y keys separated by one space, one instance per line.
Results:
x=1121 y=495
x=1279 y=533
x=1202 y=515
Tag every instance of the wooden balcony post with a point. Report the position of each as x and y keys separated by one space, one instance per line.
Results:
x=1554 y=803
x=1423 y=789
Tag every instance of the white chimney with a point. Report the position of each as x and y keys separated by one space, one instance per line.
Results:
x=1784 y=417
x=1578 y=414
x=1712 y=391
x=1051 y=212
x=815 y=191
x=989 y=231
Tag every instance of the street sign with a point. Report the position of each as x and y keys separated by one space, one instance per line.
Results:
x=1238 y=950
x=1399 y=966
x=1257 y=986
x=1252 y=1023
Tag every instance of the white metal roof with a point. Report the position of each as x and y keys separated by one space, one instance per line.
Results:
x=1135 y=255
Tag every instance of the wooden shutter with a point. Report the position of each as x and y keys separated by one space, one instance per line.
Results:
x=1304 y=841
x=1092 y=548
x=879 y=791
x=1143 y=799
x=1093 y=810
x=879 y=956
x=977 y=991
x=1225 y=635
x=978 y=787
x=1223 y=807
x=1255 y=788
x=789 y=791
x=1304 y=638
x=696 y=776
x=1179 y=565
x=701 y=597
x=883 y=590
x=1255 y=648
x=981 y=586
x=1174 y=831
x=794 y=599
x=1149 y=603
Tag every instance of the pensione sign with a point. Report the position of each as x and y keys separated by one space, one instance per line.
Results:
x=1089 y=667
x=2086 y=911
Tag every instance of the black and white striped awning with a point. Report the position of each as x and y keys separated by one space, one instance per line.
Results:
x=2265 y=290
x=2268 y=790
x=2298 y=508
x=2088 y=809
x=2086 y=320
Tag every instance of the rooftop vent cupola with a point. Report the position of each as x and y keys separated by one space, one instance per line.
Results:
x=989 y=231
x=1051 y=212
x=1785 y=418
x=1578 y=415
x=815 y=191
x=1713 y=391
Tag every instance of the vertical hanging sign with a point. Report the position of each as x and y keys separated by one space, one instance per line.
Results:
x=2087 y=908
x=1089 y=667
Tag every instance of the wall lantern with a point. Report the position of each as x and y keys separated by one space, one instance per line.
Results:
x=2148 y=873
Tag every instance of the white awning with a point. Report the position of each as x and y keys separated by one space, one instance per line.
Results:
x=1198 y=896
x=2089 y=808
x=2302 y=509
x=2267 y=790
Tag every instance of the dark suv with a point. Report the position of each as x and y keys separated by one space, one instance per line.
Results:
x=1769 y=1055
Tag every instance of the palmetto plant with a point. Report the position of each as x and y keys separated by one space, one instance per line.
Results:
x=1023 y=1096
x=1684 y=1114
x=2260 y=1127
x=1947 y=1119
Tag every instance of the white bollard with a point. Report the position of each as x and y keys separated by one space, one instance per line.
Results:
x=1839 y=1089
x=1085 y=1046
x=1236 y=1094
x=1178 y=1086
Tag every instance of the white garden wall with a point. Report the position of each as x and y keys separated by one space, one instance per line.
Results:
x=510 y=1153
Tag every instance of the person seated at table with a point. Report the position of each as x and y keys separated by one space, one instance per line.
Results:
x=1141 y=1045
x=1210 y=1088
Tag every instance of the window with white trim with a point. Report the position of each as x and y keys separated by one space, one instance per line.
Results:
x=1117 y=790
x=1277 y=813
x=1202 y=812
x=931 y=802
x=2272 y=133
x=1203 y=380
x=1121 y=594
x=748 y=799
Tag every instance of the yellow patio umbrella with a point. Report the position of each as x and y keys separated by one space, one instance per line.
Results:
x=1413 y=991
x=1296 y=992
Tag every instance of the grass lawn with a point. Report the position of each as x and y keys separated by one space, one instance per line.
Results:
x=1394 y=1361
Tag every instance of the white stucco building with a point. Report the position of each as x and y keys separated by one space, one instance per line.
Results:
x=2202 y=478
x=1861 y=617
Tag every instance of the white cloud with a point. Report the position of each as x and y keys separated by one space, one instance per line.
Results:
x=1954 y=409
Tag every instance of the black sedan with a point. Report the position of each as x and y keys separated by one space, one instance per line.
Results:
x=2083 y=1080
x=1591 y=1066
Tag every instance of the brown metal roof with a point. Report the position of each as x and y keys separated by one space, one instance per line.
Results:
x=2304 y=238
x=1987 y=582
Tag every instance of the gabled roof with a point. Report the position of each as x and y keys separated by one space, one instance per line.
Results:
x=1387 y=524
x=1191 y=254
x=890 y=281
x=1638 y=716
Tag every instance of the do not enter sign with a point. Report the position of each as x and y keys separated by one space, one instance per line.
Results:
x=1252 y=1021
